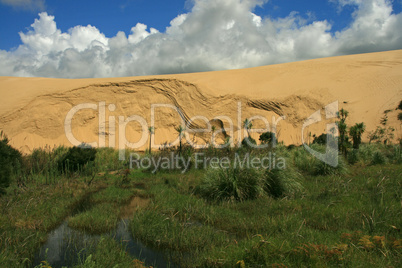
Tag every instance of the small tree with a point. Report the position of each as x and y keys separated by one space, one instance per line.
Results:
x=267 y=137
x=151 y=131
x=247 y=125
x=213 y=128
x=248 y=140
x=356 y=132
x=180 y=130
x=322 y=139
x=343 y=131
x=77 y=158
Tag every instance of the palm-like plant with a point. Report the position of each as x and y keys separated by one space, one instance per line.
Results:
x=356 y=132
x=180 y=130
x=213 y=128
x=343 y=138
x=247 y=125
x=151 y=131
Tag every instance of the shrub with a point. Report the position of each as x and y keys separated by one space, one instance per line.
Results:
x=378 y=158
x=322 y=139
x=10 y=159
x=366 y=152
x=397 y=154
x=248 y=142
x=303 y=160
x=280 y=182
x=76 y=158
x=306 y=162
x=356 y=133
x=231 y=184
x=267 y=137
x=322 y=168
x=353 y=156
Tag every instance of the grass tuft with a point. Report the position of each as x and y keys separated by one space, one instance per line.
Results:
x=231 y=184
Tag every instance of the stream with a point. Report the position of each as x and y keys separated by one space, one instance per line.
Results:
x=66 y=247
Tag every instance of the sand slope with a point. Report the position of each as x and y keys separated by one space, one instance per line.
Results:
x=33 y=110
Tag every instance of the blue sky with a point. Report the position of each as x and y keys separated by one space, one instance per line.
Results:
x=207 y=34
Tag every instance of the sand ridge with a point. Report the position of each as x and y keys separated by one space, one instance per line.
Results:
x=33 y=110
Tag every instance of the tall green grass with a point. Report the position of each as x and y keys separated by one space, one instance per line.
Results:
x=231 y=184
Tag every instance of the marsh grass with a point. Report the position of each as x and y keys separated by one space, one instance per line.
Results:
x=99 y=219
x=103 y=216
x=28 y=213
x=113 y=194
x=108 y=253
x=231 y=184
x=306 y=230
x=280 y=182
x=348 y=219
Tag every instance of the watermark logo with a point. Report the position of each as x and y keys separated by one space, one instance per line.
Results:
x=186 y=126
x=242 y=133
x=202 y=161
x=330 y=156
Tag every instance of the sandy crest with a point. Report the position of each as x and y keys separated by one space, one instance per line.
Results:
x=33 y=110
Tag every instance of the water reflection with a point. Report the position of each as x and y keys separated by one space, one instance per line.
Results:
x=66 y=247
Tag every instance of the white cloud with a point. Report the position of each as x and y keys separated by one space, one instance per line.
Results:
x=214 y=35
x=25 y=4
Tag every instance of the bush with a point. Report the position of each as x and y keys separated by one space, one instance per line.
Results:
x=378 y=158
x=396 y=154
x=306 y=162
x=366 y=152
x=10 y=159
x=248 y=142
x=267 y=137
x=303 y=160
x=231 y=184
x=353 y=156
x=322 y=139
x=76 y=158
x=280 y=182
x=322 y=168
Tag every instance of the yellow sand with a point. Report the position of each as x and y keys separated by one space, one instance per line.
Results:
x=33 y=110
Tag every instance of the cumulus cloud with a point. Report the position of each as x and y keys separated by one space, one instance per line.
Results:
x=25 y=4
x=214 y=35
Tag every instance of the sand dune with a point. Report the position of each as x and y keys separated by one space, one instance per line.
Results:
x=33 y=110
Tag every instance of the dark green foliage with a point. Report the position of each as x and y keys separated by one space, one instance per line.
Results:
x=356 y=132
x=353 y=156
x=280 y=182
x=231 y=184
x=10 y=159
x=323 y=169
x=248 y=142
x=400 y=116
x=400 y=106
x=378 y=158
x=343 y=131
x=322 y=139
x=76 y=158
x=180 y=130
x=267 y=137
